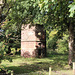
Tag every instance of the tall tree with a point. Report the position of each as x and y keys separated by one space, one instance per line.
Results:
x=10 y=33
x=58 y=16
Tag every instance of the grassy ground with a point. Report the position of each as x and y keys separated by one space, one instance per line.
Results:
x=33 y=66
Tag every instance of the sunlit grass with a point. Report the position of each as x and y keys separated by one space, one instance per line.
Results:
x=19 y=64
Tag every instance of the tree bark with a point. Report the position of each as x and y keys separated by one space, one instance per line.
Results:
x=71 y=43
x=0 y=9
x=0 y=14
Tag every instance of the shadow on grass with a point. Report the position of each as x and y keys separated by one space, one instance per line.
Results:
x=58 y=63
x=26 y=68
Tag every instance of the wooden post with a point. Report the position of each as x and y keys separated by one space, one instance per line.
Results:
x=49 y=70
x=73 y=68
x=12 y=73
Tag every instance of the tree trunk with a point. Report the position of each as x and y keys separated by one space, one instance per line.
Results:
x=0 y=14
x=0 y=9
x=71 y=43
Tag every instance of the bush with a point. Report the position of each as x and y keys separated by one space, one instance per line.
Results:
x=52 y=39
x=62 y=45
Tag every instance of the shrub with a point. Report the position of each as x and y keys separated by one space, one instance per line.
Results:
x=62 y=45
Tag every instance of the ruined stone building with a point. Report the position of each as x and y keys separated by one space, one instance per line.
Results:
x=33 y=41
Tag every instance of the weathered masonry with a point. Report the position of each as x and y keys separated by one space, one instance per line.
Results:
x=33 y=41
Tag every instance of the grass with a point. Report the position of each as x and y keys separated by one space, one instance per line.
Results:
x=40 y=66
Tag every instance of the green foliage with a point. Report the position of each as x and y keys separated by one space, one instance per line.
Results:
x=58 y=16
x=52 y=38
x=62 y=45
x=52 y=43
x=56 y=42
x=72 y=9
x=9 y=71
x=13 y=51
x=2 y=49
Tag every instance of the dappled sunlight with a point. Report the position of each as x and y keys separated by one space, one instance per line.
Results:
x=28 y=65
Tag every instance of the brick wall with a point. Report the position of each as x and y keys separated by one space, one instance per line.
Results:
x=30 y=39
